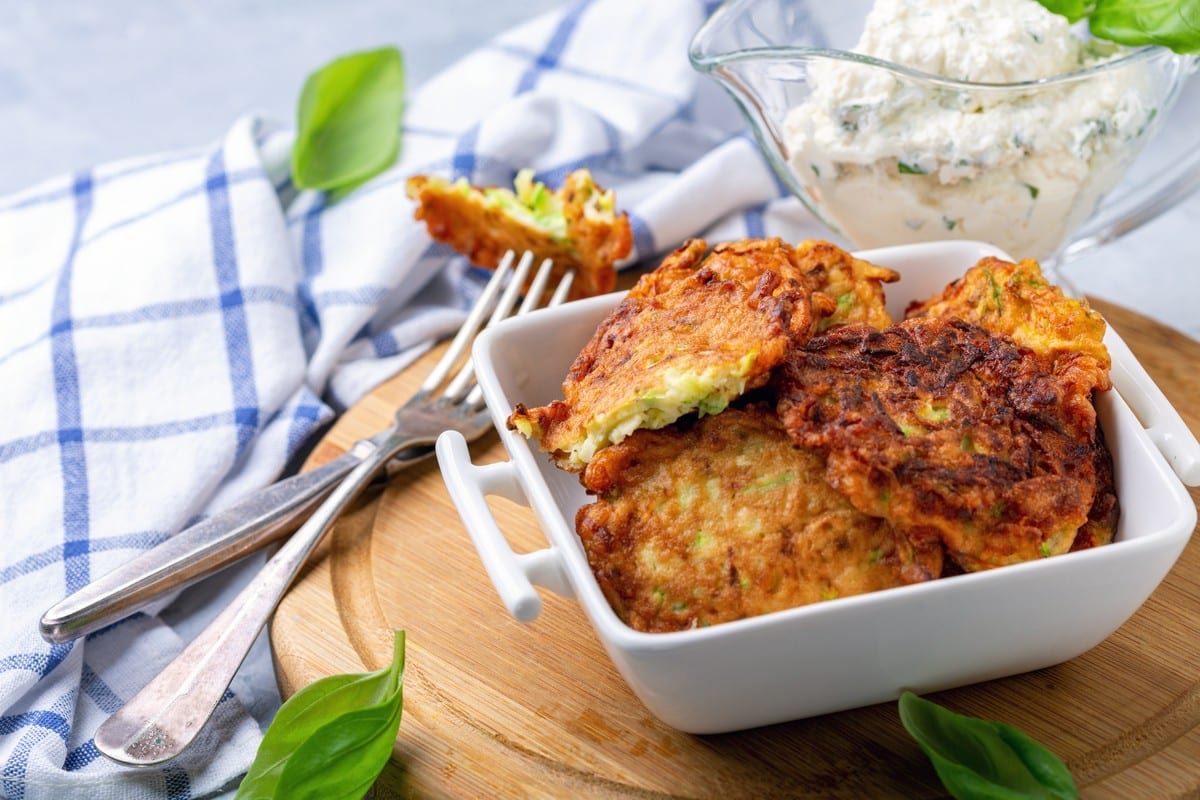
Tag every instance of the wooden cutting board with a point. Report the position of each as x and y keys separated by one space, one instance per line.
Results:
x=494 y=708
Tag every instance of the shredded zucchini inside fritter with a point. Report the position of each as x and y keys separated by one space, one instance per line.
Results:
x=679 y=393
x=529 y=202
x=535 y=205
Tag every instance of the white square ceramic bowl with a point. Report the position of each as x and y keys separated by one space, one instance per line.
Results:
x=852 y=651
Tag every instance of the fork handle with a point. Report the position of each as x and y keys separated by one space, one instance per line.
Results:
x=202 y=549
x=195 y=552
x=165 y=716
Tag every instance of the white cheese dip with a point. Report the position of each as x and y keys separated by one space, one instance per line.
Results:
x=890 y=158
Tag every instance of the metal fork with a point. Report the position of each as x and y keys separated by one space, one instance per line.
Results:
x=208 y=546
x=212 y=544
x=166 y=715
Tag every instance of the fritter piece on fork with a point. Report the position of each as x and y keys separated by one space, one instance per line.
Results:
x=952 y=434
x=856 y=286
x=719 y=518
x=689 y=337
x=1016 y=301
x=577 y=226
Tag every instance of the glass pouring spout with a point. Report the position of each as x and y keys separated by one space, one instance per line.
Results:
x=885 y=153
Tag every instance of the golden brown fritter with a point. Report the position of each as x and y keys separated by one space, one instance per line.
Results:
x=1016 y=301
x=691 y=336
x=856 y=286
x=847 y=290
x=577 y=226
x=950 y=433
x=744 y=261
x=721 y=518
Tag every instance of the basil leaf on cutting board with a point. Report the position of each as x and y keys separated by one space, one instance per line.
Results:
x=331 y=739
x=979 y=758
x=348 y=120
x=1174 y=24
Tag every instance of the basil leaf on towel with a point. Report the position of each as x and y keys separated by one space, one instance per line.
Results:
x=978 y=758
x=348 y=121
x=331 y=739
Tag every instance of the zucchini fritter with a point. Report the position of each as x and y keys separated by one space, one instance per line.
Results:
x=576 y=226
x=950 y=433
x=690 y=336
x=856 y=286
x=721 y=518
x=744 y=261
x=1016 y=301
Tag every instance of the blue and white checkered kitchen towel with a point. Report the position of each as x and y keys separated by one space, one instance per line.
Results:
x=172 y=329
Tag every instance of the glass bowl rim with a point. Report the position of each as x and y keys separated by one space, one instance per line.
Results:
x=706 y=62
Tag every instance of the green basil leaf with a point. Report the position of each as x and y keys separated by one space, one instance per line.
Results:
x=1174 y=24
x=348 y=121
x=977 y=758
x=344 y=759
x=340 y=729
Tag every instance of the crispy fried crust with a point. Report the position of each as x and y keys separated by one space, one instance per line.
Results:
x=855 y=286
x=483 y=232
x=1016 y=301
x=950 y=433
x=716 y=326
x=714 y=520
x=744 y=261
x=1105 y=513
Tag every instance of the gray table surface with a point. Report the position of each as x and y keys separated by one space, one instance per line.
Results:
x=83 y=83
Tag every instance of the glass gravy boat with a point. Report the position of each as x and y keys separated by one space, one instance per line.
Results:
x=1038 y=168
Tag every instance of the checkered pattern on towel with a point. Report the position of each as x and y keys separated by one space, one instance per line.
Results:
x=173 y=328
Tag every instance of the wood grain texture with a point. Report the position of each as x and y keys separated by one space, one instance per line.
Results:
x=497 y=708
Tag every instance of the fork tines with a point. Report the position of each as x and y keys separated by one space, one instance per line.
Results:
x=462 y=387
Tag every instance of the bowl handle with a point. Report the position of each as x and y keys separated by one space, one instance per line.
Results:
x=512 y=574
x=1166 y=429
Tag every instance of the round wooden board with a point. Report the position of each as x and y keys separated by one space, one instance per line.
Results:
x=496 y=708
